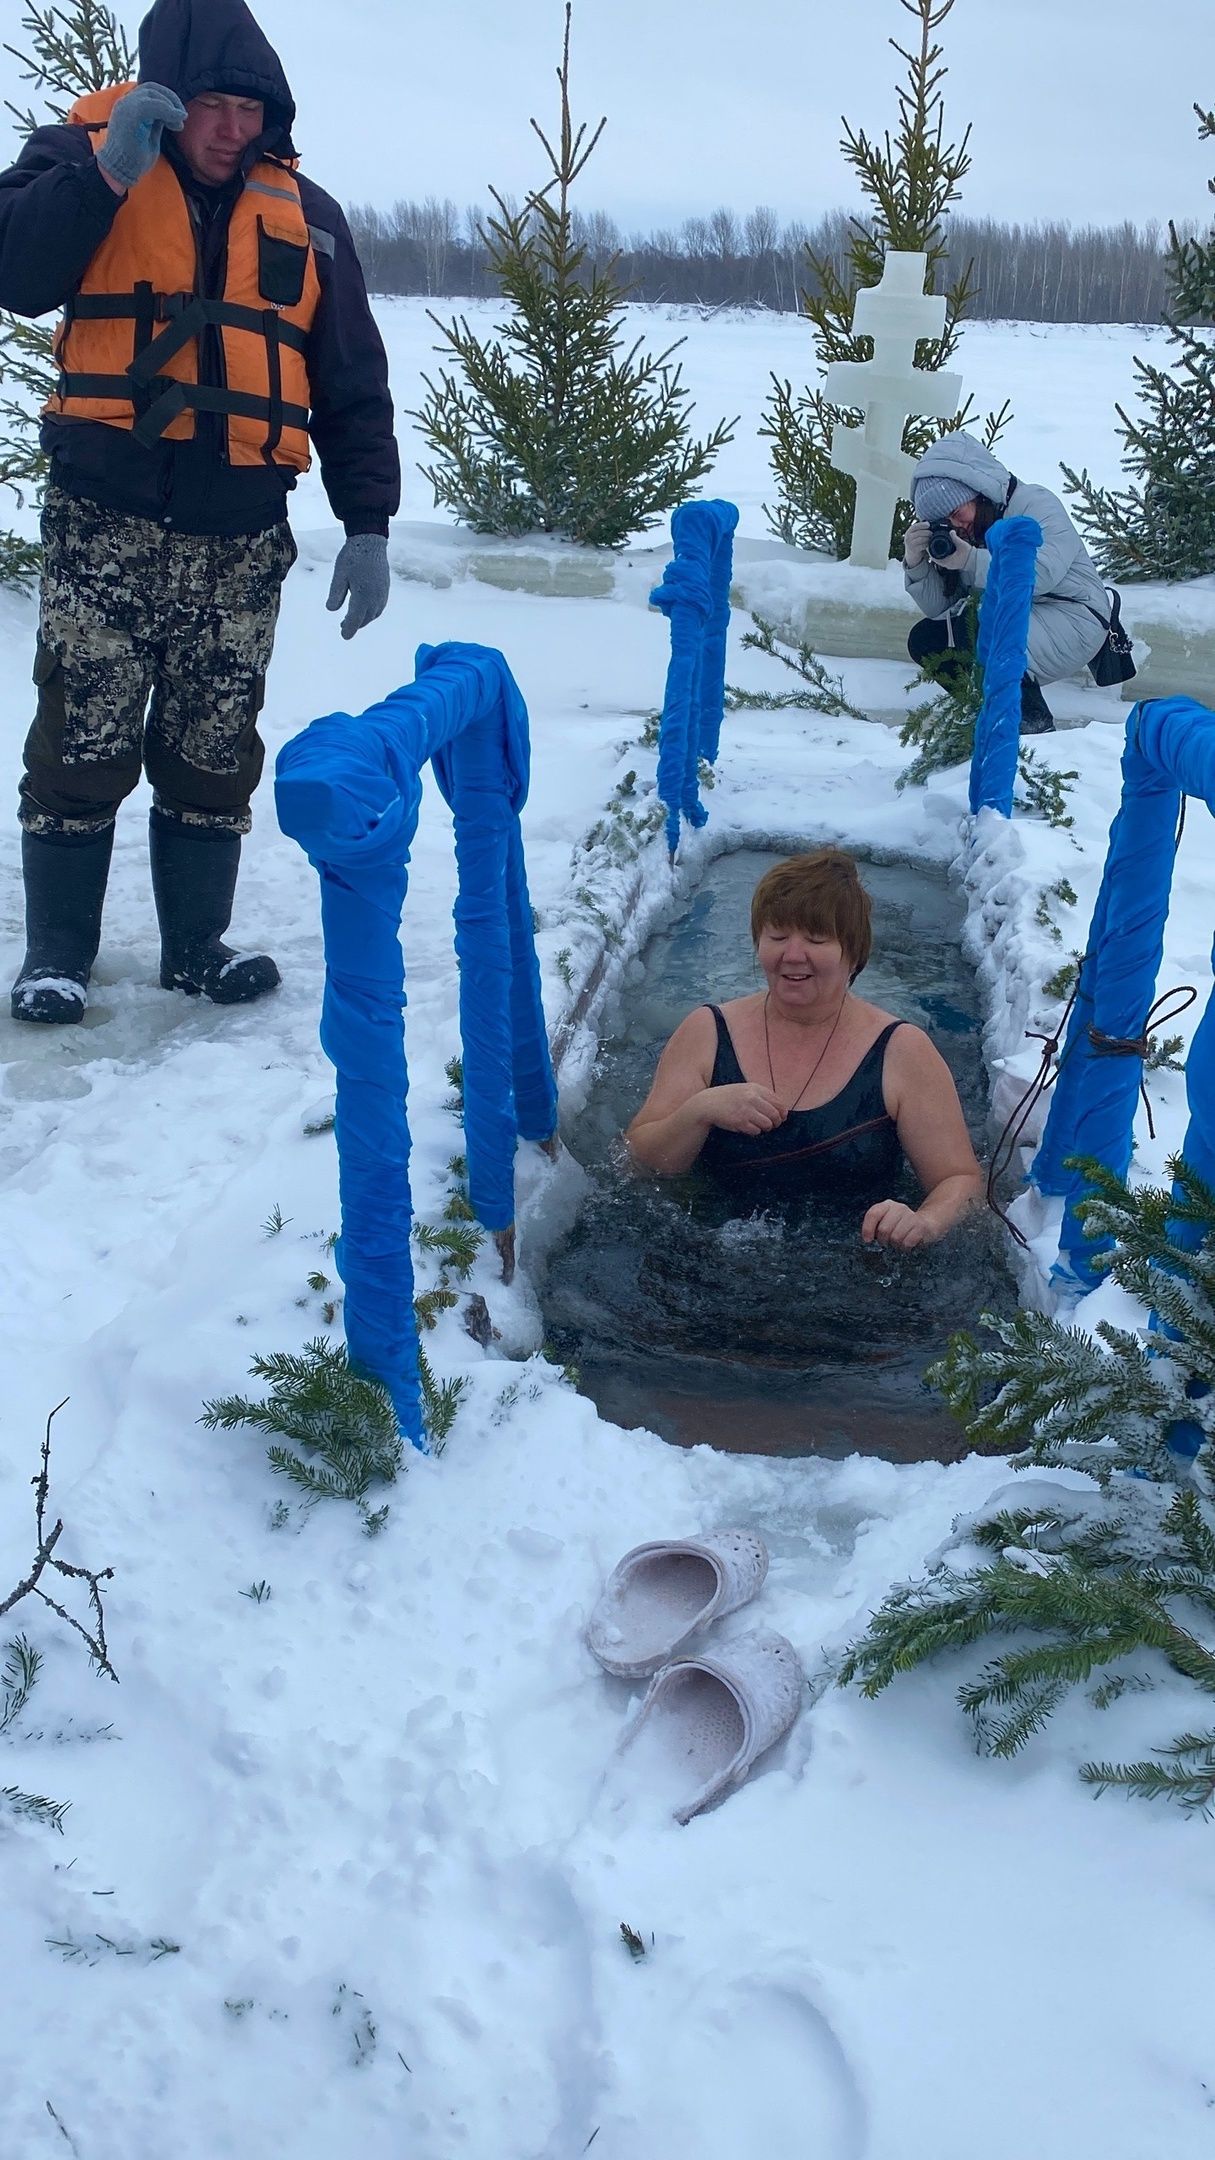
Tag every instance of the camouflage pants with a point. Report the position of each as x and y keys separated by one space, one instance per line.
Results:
x=152 y=651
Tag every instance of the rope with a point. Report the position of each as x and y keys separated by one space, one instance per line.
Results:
x=1140 y=1045
x=1101 y=1045
x=1044 y=1079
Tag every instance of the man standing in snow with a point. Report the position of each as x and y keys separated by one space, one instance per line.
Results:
x=215 y=322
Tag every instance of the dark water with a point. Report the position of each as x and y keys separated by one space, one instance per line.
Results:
x=779 y=1332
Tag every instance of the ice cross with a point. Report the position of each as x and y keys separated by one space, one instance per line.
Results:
x=889 y=388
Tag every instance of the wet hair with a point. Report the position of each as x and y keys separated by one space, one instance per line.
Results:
x=820 y=895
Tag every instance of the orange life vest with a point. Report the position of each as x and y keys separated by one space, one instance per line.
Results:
x=128 y=345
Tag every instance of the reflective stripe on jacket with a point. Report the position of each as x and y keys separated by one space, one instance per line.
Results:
x=128 y=345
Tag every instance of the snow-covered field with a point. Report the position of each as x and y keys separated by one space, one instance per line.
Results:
x=376 y=1811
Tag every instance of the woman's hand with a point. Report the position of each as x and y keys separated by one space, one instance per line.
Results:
x=743 y=1107
x=915 y=543
x=891 y=1222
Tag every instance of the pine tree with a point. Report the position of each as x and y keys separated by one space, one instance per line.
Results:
x=910 y=180
x=1163 y=524
x=74 y=48
x=1121 y=1571
x=554 y=427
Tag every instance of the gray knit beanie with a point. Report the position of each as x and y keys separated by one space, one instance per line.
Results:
x=935 y=497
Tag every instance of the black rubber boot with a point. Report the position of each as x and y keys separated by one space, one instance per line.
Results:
x=65 y=878
x=1036 y=715
x=193 y=880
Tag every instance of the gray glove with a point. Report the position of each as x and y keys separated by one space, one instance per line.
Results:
x=132 y=143
x=361 y=573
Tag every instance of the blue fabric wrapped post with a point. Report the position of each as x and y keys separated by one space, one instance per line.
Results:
x=1198 y=1151
x=1003 y=646
x=1170 y=752
x=695 y=597
x=349 y=790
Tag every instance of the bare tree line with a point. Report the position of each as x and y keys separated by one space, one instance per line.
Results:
x=1028 y=272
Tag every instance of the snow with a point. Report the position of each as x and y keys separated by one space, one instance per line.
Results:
x=377 y=1807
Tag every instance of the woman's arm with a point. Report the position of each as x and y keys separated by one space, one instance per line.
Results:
x=681 y=1108
x=923 y=1101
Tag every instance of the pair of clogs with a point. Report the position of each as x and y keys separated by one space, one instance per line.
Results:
x=718 y=1709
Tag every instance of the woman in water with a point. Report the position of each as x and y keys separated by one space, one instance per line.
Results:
x=804 y=1089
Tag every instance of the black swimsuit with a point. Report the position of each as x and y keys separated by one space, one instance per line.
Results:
x=847 y=1147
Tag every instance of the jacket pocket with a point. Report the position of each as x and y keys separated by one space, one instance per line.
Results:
x=281 y=265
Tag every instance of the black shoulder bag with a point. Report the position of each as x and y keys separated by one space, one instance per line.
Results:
x=1114 y=660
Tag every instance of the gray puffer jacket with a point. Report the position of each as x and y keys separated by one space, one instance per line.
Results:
x=1063 y=636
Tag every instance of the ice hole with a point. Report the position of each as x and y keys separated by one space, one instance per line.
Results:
x=763 y=1334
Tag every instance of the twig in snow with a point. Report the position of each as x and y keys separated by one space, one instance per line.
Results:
x=64 y=2132
x=45 y=1557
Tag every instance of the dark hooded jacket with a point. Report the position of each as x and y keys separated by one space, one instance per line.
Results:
x=55 y=210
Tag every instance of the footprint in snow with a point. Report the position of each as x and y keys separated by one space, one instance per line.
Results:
x=755 y=2068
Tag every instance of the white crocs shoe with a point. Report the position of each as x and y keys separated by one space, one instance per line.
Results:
x=661 y=1595
x=711 y=1716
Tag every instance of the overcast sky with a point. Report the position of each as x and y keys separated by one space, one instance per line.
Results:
x=1080 y=108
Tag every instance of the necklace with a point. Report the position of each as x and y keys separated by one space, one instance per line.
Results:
x=817 y=1062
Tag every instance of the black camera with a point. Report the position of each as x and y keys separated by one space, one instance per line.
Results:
x=942 y=539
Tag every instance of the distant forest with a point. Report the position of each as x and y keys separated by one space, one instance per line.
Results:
x=1030 y=273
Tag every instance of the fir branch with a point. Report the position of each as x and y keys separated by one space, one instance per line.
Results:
x=91 y=1949
x=822 y=692
x=341 y=1423
x=1184 y=1772
x=73 y=49
x=458 y=1243
x=440 y=1403
x=31 y=1807
x=1085 y=1588
x=22 y=1665
x=430 y=1303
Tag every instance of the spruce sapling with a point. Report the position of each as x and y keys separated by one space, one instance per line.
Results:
x=909 y=181
x=1163 y=524
x=552 y=426
x=73 y=49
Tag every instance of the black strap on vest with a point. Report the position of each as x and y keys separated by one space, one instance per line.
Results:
x=169 y=398
x=274 y=383
x=159 y=399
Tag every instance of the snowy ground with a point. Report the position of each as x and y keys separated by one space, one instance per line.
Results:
x=377 y=1810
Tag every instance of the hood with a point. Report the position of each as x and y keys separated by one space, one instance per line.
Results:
x=197 y=45
x=963 y=458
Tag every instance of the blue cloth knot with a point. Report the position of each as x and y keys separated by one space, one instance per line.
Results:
x=695 y=597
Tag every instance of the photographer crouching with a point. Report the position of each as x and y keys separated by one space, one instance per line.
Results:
x=958 y=492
